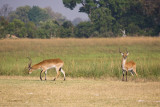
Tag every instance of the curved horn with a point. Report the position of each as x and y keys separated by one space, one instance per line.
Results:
x=126 y=50
x=29 y=64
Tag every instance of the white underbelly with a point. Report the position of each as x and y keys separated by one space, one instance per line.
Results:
x=51 y=67
x=130 y=69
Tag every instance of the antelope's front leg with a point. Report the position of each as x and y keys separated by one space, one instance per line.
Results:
x=123 y=75
x=126 y=74
x=40 y=75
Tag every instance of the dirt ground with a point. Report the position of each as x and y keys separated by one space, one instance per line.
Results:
x=22 y=91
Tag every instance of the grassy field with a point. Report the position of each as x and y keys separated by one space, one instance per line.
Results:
x=94 y=57
x=25 y=91
x=93 y=73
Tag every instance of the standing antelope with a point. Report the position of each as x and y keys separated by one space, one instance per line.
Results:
x=47 y=64
x=127 y=66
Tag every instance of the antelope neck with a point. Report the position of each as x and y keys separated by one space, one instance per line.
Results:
x=123 y=63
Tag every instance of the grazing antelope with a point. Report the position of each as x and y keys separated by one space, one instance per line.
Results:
x=127 y=66
x=45 y=65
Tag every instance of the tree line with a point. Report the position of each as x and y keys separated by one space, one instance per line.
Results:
x=31 y=22
x=107 y=18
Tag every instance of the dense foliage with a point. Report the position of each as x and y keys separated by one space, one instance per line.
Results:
x=32 y=22
x=108 y=18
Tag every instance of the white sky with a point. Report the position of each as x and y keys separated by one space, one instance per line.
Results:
x=56 y=5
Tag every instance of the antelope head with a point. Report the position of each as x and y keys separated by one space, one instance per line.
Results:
x=124 y=55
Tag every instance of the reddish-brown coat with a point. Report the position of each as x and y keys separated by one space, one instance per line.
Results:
x=47 y=64
x=127 y=66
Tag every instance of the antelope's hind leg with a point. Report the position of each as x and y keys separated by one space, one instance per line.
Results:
x=45 y=75
x=134 y=70
x=131 y=71
x=63 y=73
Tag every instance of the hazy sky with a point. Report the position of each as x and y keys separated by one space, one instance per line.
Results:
x=56 y=5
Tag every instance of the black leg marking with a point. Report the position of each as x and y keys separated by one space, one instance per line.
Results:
x=60 y=69
x=123 y=76
x=45 y=76
x=126 y=75
x=40 y=75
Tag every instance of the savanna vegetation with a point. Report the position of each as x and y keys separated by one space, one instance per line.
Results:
x=92 y=65
x=93 y=58
x=107 y=18
x=93 y=72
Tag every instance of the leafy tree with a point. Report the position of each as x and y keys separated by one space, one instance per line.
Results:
x=12 y=16
x=102 y=19
x=11 y=28
x=55 y=16
x=67 y=24
x=113 y=15
x=19 y=28
x=3 y=27
x=64 y=32
x=151 y=9
x=31 y=30
x=70 y=3
x=21 y=13
x=84 y=29
x=48 y=29
x=36 y=14
x=133 y=29
x=67 y=30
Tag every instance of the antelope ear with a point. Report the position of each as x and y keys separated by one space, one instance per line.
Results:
x=127 y=53
x=122 y=54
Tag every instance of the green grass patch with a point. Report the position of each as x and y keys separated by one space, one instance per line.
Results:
x=95 y=57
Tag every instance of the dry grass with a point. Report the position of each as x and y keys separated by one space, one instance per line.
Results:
x=77 y=92
x=75 y=41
